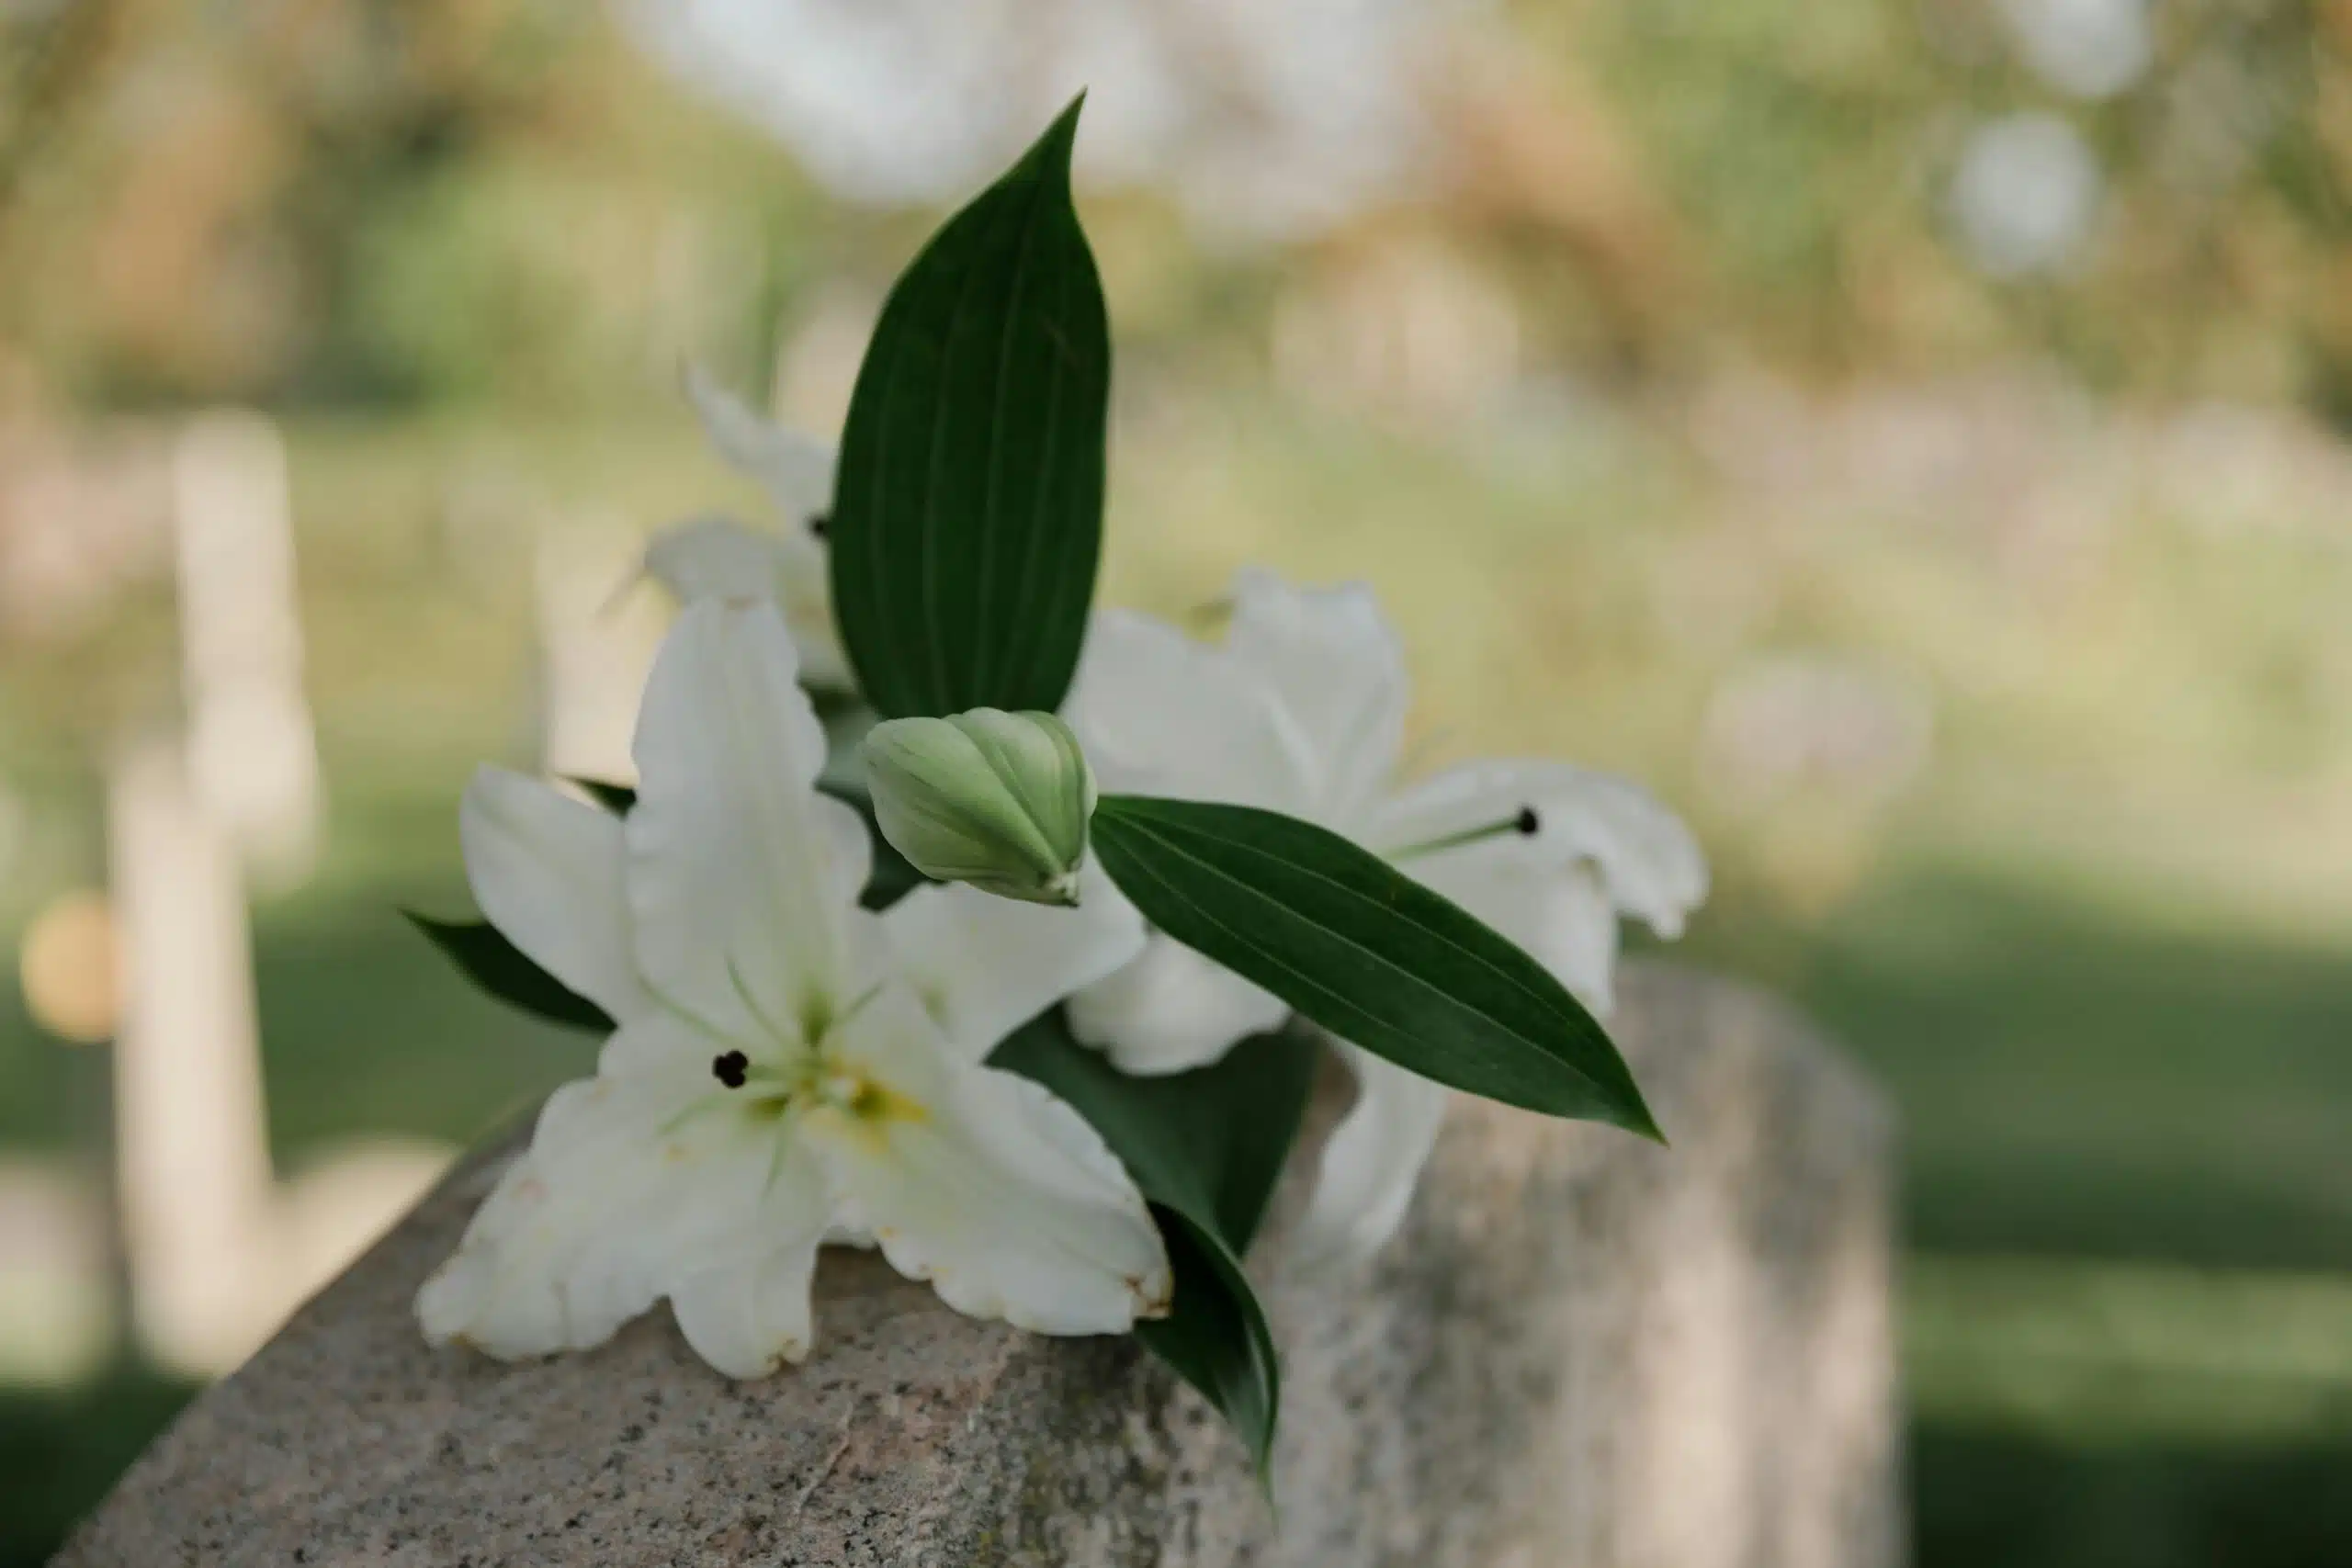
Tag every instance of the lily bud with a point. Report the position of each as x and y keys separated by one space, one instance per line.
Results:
x=997 y=799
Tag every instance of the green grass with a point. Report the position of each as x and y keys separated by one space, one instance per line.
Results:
x=60 y=1451
x=1985 y=1497
x=2078 y=1081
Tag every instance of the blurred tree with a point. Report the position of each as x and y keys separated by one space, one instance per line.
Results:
x=330 y=200
x=1813 y=150
x=421 y=200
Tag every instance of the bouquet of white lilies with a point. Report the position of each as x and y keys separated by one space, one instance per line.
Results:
x=1021 y=976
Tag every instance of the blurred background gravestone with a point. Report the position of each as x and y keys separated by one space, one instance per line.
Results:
x=205 y=1252
x=251 y=755
x=1911 y=436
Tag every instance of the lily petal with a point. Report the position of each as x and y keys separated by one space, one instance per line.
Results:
x=796 y=471
x=1161 y=713
x=1171 y=1010
x=1337 y=665
x=1373 y=1161
x=630 y=1185
x=849 y=848
x=749 y=1318
x=736 y=885
x=985 y=965
x=1562 y=915
x=1649 y=864
x=546 y=870
x=717 y=557
x=668 y=1040
x=713 y=558
x=987 y=1186
x=804 y=586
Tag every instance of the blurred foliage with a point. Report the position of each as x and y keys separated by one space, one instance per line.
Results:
x=1807 y=147
x=417 y=200
x=377 y=201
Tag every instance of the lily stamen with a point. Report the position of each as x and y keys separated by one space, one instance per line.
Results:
x=1526 y=822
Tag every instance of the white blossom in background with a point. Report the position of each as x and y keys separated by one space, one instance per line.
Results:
x=2024 y=193
x=715 y=557
x=1264 y=119
x=786 y=1065
x=2092 y=49
x=1302 y=710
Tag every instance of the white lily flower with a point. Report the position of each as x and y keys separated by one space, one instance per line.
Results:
x=785 y=1063
x=718 y=558
x=1302 y=710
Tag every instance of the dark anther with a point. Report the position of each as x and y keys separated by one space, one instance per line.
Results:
x=730 y=1069
x=1528 y=822
x=820 y=526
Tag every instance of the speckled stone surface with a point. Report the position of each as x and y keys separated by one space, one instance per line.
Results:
x=1583 y=1352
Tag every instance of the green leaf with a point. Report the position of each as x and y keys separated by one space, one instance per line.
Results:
x=1210 y=1141
x=615 y=798
x=967 y=515
x=1366 y=952
x=1207 y=1147
x=1215 y=1335
x=498 y=967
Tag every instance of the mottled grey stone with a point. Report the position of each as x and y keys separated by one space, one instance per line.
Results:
x=1584 y=1351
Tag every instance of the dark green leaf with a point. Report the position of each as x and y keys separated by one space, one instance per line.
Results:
x=1366 y=952
x=1215 y=1335
x=1207 y=1147
x=893 y=876
x=1210 y=1141
x=498 y=967
x=615 y=798
x=967 y=515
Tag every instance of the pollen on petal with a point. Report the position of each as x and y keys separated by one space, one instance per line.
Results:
x=1149 y=1303
x=732 y=1068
